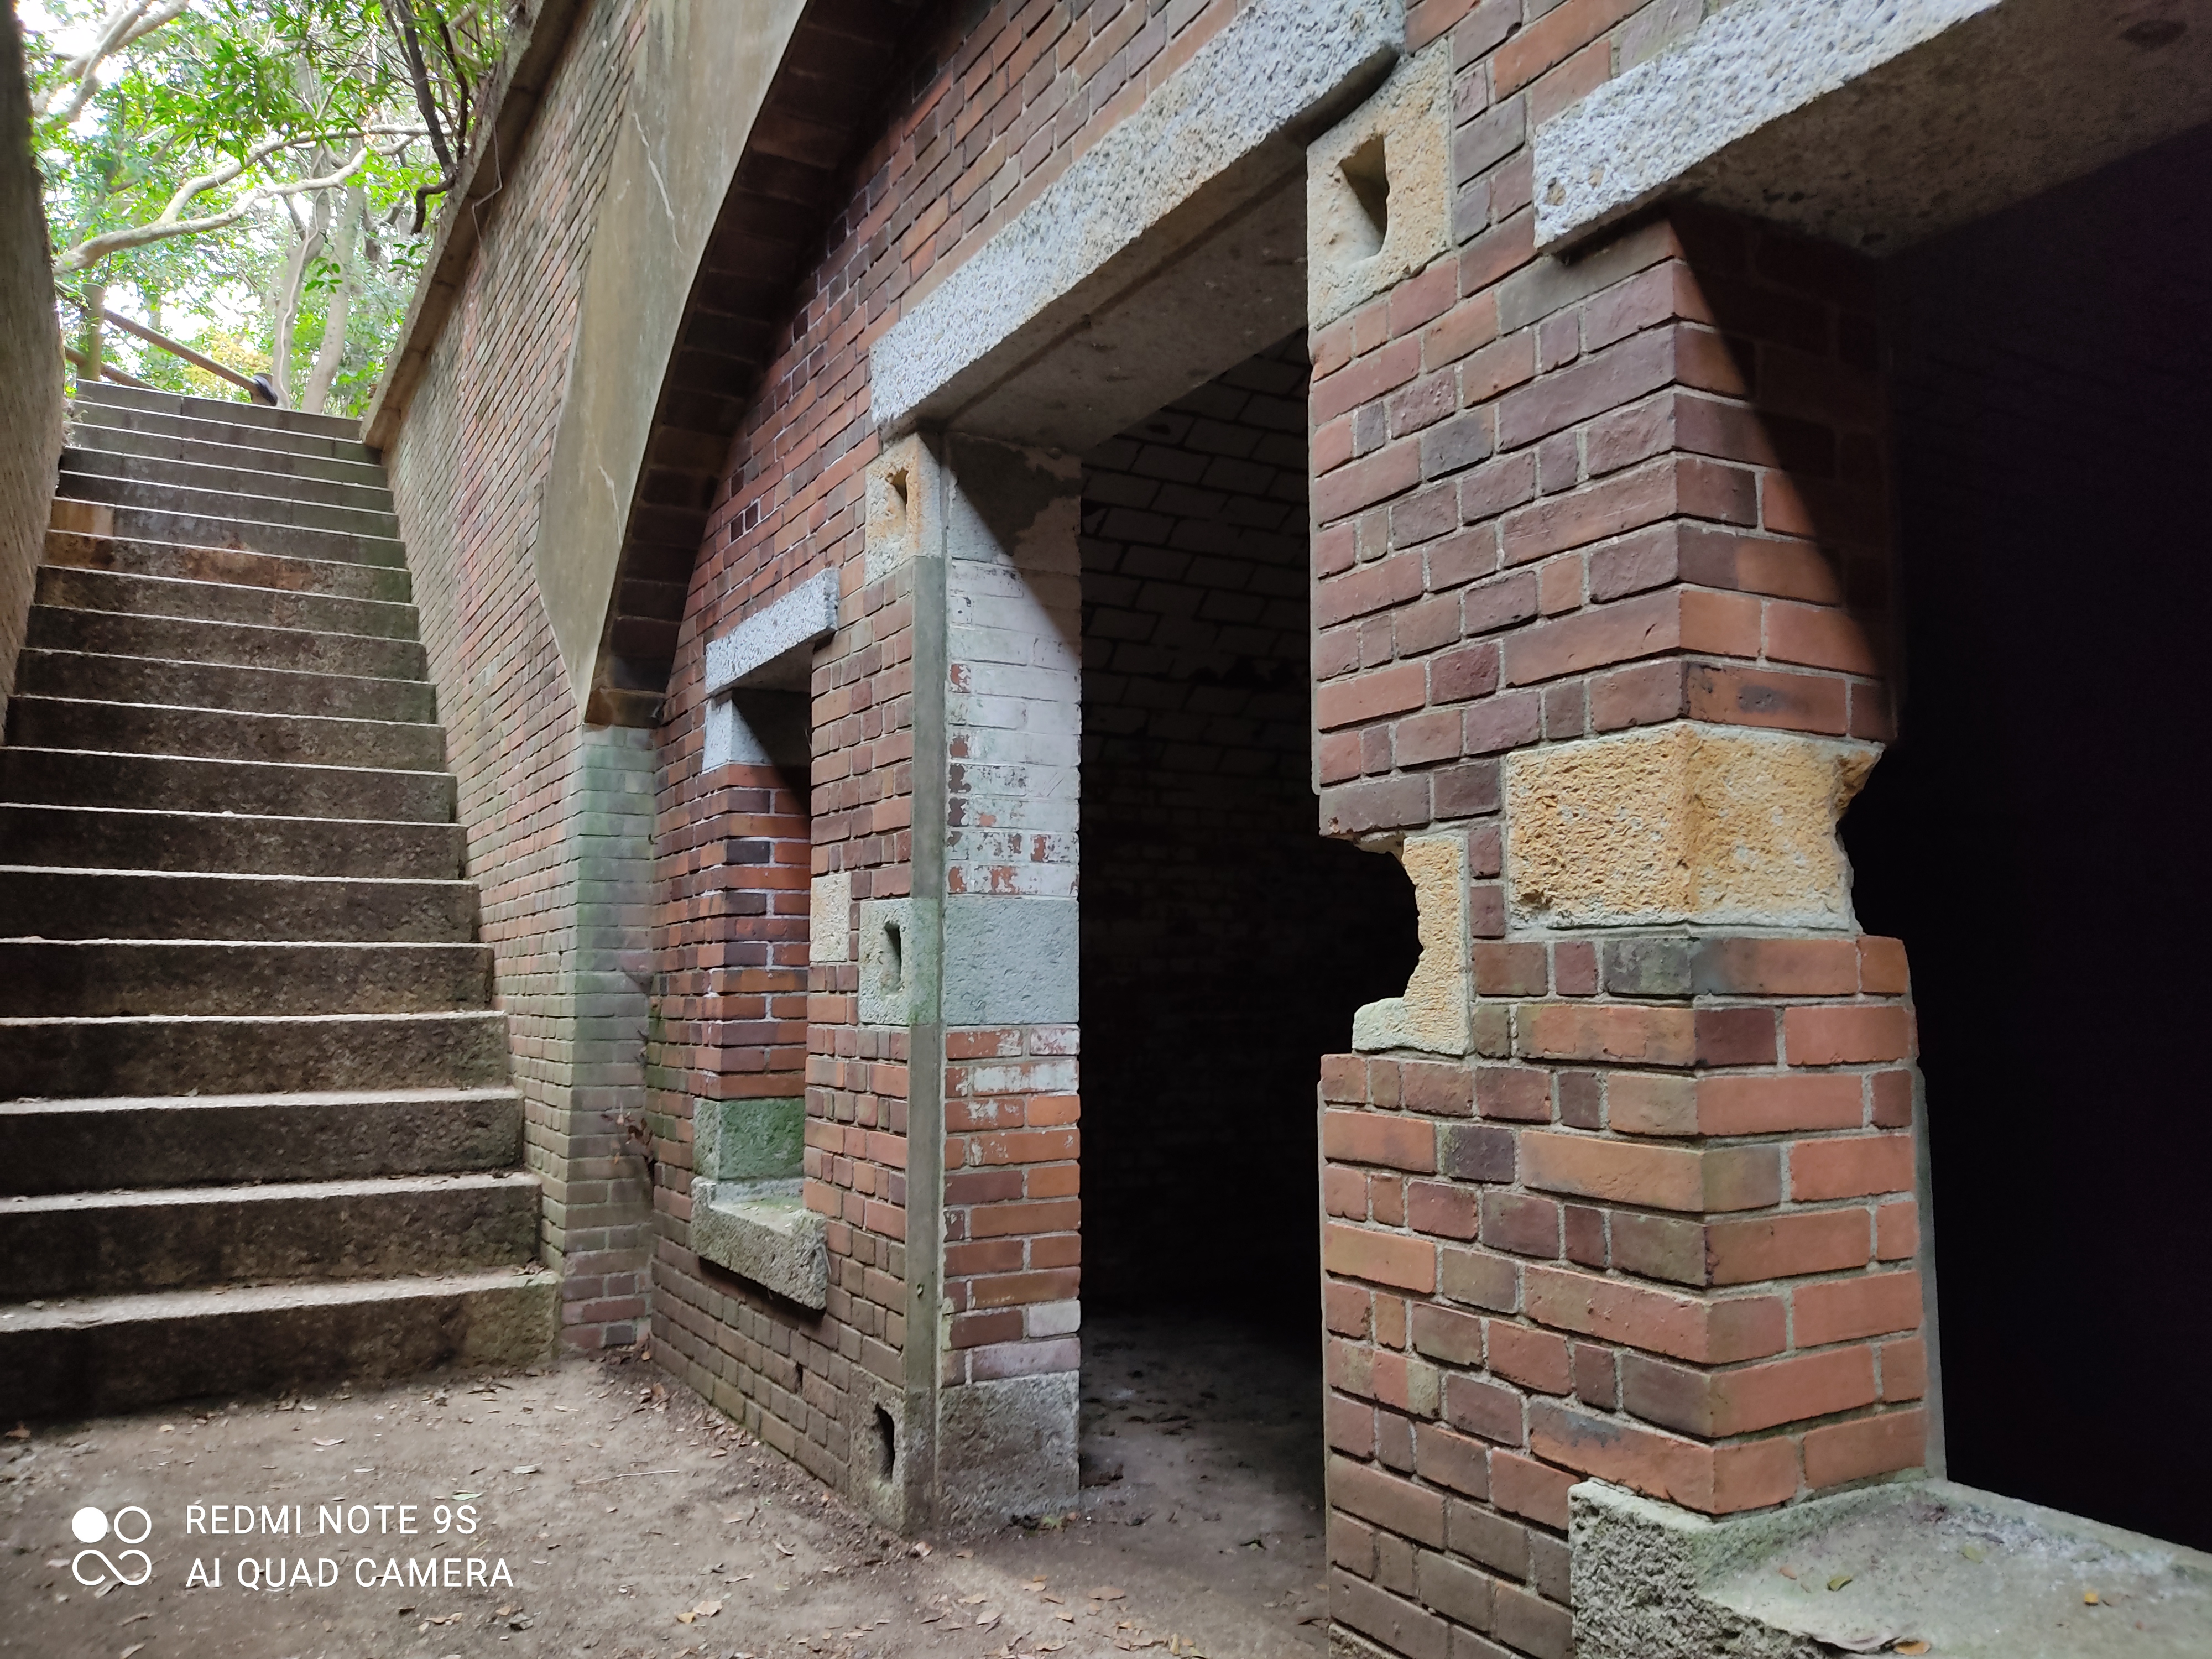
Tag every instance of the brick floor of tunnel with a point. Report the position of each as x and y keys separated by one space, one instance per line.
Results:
x=633 y=1520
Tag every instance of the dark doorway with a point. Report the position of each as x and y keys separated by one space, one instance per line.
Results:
x=2035 y=836
x=1225 y=943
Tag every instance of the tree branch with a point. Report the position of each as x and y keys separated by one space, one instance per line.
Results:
x=130 y=21
x=94 y=249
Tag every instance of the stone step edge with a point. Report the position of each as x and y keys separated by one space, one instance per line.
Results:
x=332 y=1098
x=93 y=526
x=212 y=818
x=57 y=653
x=81 y=425
x=155 y=400
x=220 y=622
x=267 y=1192
x=214 y=760
x=234 y=714
x=84 y=1312
x=77 y=449
x=164 y=545
x=228 y=587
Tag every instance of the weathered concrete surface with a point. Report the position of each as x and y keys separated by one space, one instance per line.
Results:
x=762 y=1230
x=1433 y=1015
x=701 y=76
x=1967 y=1572
x=830 y=918
x=1378 y=190
x=1012 y=961
x=1876 y=123
x=773 y=648
x=1219 y=135
x=1007 y=1449
x=887 y=960
x=1681 y=823
x=901 y=493
x=748 y=1140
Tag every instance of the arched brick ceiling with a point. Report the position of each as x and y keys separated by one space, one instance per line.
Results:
x=821 y=106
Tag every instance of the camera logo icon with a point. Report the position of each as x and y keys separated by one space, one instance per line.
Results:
x=90 y=1526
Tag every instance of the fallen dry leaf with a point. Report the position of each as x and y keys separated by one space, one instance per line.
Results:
x=708 y=1609
x=1787 y=1572
x=687 y=1617
x=1106 y=1593
x=2088 y=1598
x=1910 y=1647
x=330 y=1443
x=132 y=1648
x=782 y=1548
x=971 y=1600
x=1839 y=1581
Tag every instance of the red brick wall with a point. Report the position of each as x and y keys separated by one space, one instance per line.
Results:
x=1015 y=94
x=1659 y=1229
x=468 y=470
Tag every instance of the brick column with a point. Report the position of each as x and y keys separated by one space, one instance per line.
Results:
x=1011 y=1360
x=1601 y=618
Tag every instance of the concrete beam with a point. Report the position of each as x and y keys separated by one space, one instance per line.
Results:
x=1222 y=136
x=1875 y=122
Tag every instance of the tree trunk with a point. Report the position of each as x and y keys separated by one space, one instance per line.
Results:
x=331 y=351
x=291 y=285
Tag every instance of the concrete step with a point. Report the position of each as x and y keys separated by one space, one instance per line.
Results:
x=96 y=428
x=219 y=504
x=228 y=564
x=96 y=516
x=258 y=416
x=92 y=1145
x=41 y=901
x=213 y=685
x=185 y=639
x=177 y=783
x=119 y=1353
x=91 y=978
x=175 y=1238
x=236 y=479
x=60 y=1058
x=122 y=594
x=141 y=728
x=109 y=838
x=229 y=434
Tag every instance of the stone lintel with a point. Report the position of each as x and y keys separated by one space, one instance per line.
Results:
x=772 y=649
x=1219 y=133
x=1873 y=123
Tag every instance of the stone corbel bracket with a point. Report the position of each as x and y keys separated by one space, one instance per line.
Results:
x=749 y=1211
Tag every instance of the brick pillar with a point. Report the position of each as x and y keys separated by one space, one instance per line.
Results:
x=1601 y=619
x=1010 y=1359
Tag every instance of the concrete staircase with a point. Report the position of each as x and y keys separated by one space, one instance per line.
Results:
x=256 y=1127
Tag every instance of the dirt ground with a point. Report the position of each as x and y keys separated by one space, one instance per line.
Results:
x=615 y=1516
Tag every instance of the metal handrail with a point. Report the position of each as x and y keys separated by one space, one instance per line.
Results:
x=174 y=347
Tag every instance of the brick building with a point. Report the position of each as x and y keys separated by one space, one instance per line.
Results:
x=1015 y=589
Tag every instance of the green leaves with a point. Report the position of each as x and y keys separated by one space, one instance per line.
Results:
x=186 y=145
